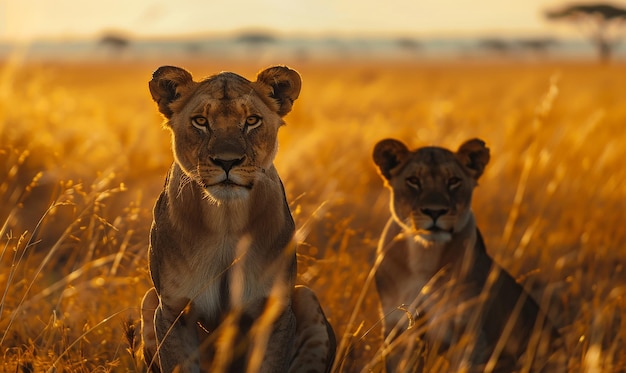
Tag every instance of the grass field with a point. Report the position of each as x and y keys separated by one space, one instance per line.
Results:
x=83 y=156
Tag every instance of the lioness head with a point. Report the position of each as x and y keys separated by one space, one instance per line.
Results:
x=431 y=187
x=225 y=127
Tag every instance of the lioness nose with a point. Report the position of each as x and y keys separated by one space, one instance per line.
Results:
x=434 y=213
x=227 y=164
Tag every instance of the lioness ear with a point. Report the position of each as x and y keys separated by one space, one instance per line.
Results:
x=474 y=155
x=285 y=84
x=389 y=154
x=167 y=85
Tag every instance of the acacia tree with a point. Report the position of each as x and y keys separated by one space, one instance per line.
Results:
x=601 y=22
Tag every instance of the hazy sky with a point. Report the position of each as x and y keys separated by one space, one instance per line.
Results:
x=28 y=19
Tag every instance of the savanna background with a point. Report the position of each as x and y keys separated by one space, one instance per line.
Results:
x=83 y=156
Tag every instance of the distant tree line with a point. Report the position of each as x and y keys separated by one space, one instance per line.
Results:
x=602 y=23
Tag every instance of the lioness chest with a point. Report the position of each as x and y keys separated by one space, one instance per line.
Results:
x=405 y=270
x=211 y=269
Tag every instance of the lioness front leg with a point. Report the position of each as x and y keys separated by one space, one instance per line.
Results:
x=149 y=304
x=177 y=337
x=280 y=344
x=315 y=343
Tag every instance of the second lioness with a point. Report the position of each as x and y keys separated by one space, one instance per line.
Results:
x=435 y=266
x=222 y=253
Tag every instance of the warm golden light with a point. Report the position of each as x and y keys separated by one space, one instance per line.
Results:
x=30 y=19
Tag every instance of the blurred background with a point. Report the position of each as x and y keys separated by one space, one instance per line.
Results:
x=313 y=29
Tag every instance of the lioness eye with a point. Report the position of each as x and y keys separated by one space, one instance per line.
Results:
x=454 y=182
x=252 y=122
x=414 y=182
x=200 y=122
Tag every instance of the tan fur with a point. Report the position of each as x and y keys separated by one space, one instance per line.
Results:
x=222 y=252
x=434 y=266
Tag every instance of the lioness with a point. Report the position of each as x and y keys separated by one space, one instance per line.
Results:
x=222 y=252
x=433 y=265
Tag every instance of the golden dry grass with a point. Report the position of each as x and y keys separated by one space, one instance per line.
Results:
x=83 y=157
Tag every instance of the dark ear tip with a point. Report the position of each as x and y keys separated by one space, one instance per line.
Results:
x=475 y=144
x=167 y=69
x=296 y=79
x=474 y=154
x=388 y=143
x=387 y=154
x=285 y=85
x=477 y=141
x=378 y=148
x=166 y=86
x=160 y=71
